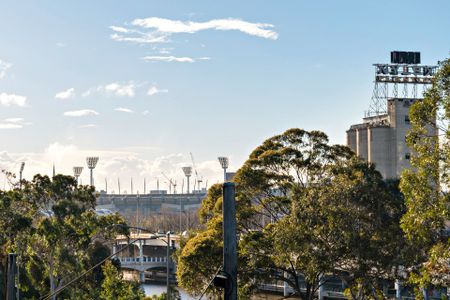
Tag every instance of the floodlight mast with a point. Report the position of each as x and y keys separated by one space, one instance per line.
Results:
x=92 y=162
x=77 y=172
x=187 y=172
x=22 y=166
x=224 y=161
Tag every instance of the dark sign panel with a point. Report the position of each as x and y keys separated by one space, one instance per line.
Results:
x=403 y=57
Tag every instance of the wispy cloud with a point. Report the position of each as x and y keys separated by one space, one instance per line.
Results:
x=155 y=90
x=132 y=35
x=10 y=126
x=81 y=113
x=4 y=66
x=167 y=27
x=145 y=112
x=13 y=123
x=123 y=109
x=88 y=126
x=67 y=94
x=60 y=45
x=114 y=89
x=173 y=59
x=12 y=100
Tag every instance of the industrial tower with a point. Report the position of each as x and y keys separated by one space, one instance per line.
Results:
x=380 y=139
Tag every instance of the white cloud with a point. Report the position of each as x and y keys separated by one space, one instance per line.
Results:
x=14 y=120
x=145 y=112
x=140 y=38
x=4 y=66
x=10 y=126
x=123 y=109
x=168 y=26
x=173 y=59
x=121 y=90
x=81 y=113
x=67 y=94
x=119 y=29
x=154 y=90
x=13 y=123
x=60 y=45
x=114 y=89
x=12 y=99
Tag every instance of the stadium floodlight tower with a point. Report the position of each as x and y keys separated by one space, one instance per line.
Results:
x=92 y=162
x=77 y=172
x=224 y=163
x=187 y=172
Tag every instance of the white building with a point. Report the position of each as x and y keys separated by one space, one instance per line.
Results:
x=381 y=139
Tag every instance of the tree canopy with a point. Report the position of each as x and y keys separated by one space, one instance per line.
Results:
x=305 y=209
x=426 y=184
x=53 y=226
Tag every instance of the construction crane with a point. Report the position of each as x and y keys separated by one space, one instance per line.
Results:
x=171 y=183
x=197 y=179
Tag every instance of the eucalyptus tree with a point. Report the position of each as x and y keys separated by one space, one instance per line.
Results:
x=305 y=209
x=426 y=184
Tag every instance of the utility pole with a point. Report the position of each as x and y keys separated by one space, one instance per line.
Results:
x=229 y=241
x=22 y=166
x=168 y=266
x=11 y=277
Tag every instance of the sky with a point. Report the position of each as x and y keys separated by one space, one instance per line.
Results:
x=142 y=84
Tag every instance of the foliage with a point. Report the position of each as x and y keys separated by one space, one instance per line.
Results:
x=115 y=288
x=174 y=295
x=304 y=209
x=52 y=225
x=426 y=184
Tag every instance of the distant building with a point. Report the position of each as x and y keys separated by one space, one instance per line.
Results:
x=381 y=140
x=229 y=176
x=154 y=202
x=381 y=137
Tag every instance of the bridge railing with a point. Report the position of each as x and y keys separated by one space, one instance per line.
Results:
x=145 y=259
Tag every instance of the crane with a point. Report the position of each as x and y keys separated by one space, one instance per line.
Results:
x=171 y=183
x=197 y=179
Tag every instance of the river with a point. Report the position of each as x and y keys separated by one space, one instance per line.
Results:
x=157 y=289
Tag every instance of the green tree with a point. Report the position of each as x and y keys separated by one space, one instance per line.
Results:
x=305 y=209
x=114 y=287
x=425 y=185
x=53 y=226
x=15 y=222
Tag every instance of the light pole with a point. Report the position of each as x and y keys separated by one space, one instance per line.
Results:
x=187 y=172
x=92 y=162
x=77 y=172
x=224 y=163
x=22 y=166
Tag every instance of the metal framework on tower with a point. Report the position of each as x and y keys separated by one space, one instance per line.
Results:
x=406 y=73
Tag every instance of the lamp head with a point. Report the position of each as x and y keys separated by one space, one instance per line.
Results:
x=223 y=162
x=91 y=162
x=187 y=171
x=77 y=171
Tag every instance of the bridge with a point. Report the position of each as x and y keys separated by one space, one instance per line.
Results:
x=148 y=255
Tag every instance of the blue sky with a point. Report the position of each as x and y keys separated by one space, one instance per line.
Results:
x=219 y=77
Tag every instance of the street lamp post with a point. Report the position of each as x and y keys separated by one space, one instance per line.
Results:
x=168 y=266
x=22 y=166
x=224 y=164
x=92 y=162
